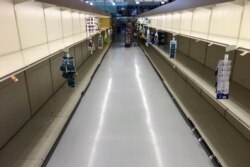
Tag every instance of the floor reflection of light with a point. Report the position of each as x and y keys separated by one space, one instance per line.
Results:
x=100 y=125
x=149 y=122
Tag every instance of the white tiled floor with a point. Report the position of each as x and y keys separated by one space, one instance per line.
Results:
x=127 y=119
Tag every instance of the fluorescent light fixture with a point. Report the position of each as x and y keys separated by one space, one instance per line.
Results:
x=162 y=2
x=91 y=3
x=86 y=1
x=137 y=2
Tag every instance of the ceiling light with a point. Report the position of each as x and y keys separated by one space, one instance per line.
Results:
x=113 y=3
x=162 y=2
x=137 y=2
x=86 y=1
x=91 y=3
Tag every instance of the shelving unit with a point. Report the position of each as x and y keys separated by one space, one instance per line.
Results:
x=128 y=35
x=224 y=125
x=23 y=47
x=215 y=24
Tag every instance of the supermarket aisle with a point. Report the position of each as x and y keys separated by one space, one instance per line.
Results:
x=127 y=119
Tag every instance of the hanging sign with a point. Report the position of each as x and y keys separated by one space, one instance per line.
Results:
x=173 y=48
x=222 y=81
x=69 y=70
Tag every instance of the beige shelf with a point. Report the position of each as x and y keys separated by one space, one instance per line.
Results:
x=228 y=145
x=214 y=24
x=33 y=142
x=27 y=58
x=241 y=113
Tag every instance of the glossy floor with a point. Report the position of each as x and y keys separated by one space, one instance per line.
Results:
x=127 y=119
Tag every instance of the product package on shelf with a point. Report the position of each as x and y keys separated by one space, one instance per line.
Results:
x=106 y=41
x=223 y=73
x=93 y=24
x=69 y=70
x=156 y=38
x=173 y=48
x=128 y=35
x=162 y=38
x=91 y=46
x=148 y=37
x=100 y=41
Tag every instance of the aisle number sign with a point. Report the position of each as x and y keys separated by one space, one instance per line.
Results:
x=223 y=74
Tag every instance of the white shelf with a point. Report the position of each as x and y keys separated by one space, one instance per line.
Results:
x=35 y=31
x=214 y=24
x=227 y=144
x=33 y=142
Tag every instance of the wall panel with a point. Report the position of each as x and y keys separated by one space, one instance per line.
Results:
x=244 y=39
x=225 y=23
x=198 y=51
x=176 y=22
x=31 y=24
x=8 y=30
x=83 y=23
x=201 y=22
x=163 y=22
x=241 y=70
x=169 y=20
x=57 y=78
x=76 y=22
x=67 y=23
x=39 y=85
x=54 y=23
x=186 y=22
x=85 y=50
x=183 y=45
x=78 y=55
x=15 y=109
x=159 y=20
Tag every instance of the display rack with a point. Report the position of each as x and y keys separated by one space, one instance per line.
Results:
x=128 y=35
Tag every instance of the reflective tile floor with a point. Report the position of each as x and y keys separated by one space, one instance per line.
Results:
x=127 y=119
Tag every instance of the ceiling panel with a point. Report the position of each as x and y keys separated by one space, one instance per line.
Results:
x=178 y=5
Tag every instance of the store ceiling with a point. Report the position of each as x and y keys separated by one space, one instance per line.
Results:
x=130 y=2
x=179 y=5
